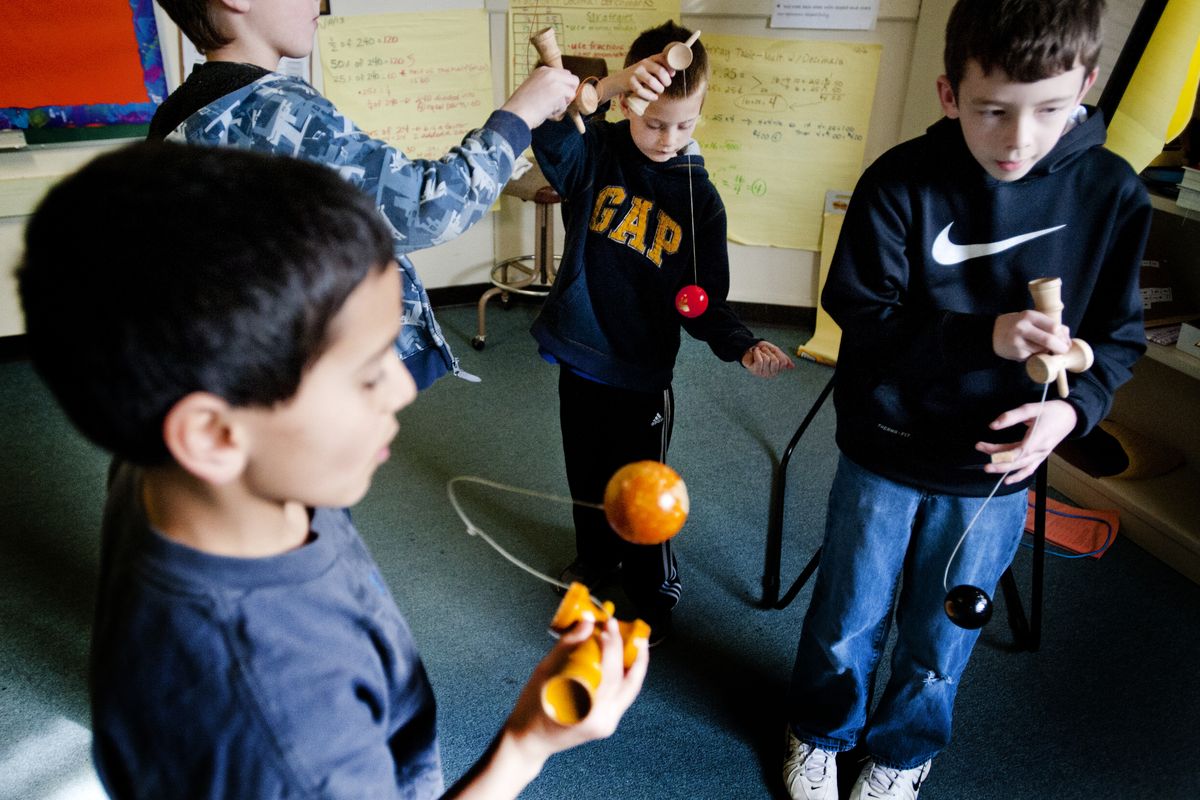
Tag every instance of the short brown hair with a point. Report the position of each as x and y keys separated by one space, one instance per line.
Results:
x=654 y=40
x=194 y=18
x=1029 y=40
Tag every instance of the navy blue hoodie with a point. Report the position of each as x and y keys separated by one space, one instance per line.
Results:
x=628 y=251
x=917 y=380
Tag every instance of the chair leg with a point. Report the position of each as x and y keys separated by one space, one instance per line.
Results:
x=771 y=561
x=543 y=248
x=1027 y=633
x=480 y=339
x=1039 y=556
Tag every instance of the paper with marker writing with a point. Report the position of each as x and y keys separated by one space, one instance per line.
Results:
x=419 y=81
x=784 y=121
x=591 y=28
x=840 y=14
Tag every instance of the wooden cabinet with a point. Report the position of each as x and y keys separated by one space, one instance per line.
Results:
x=1162 y=401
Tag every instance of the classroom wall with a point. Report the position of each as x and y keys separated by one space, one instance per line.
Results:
x=759 y=274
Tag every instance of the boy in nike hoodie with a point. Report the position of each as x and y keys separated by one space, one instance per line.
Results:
x=929 y=285
x=642 y=221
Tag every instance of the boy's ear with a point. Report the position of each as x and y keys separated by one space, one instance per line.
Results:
x=240 y=6
x=946 y=97
x=202 y=435
x=1087 y=83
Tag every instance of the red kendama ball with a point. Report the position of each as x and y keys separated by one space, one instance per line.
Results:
x=691 y=301
x=646 y=502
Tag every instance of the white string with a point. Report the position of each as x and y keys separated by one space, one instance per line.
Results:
x=474 y=530
x=691 y=197
x=971 y=524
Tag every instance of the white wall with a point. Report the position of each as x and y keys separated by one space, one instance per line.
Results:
x=759 y=274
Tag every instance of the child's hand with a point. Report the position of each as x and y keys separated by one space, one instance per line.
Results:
x=1057 y=421
x=646 y=79
x=538 y=735
x=544 y=94
x=529 y=737
x=1022 y=334
x=765 y=360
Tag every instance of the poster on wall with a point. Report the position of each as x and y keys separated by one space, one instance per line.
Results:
x=78 y=64
x=591 y=28
x=417 y=80
x=784 y=121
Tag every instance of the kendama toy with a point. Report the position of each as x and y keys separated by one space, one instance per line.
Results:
x=568 y=695
x=678 y=56
x=969 y=606
x=1045 y=367
x=586 y=99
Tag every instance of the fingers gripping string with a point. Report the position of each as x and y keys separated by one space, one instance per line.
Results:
x=475 y=530
x=979 y=512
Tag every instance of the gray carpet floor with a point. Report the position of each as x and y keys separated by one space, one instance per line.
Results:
x=1106 y=709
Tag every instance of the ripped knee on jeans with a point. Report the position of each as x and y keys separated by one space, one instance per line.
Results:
x=932 y=677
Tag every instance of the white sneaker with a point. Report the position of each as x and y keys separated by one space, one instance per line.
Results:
x=809 y=772
x=876 y=782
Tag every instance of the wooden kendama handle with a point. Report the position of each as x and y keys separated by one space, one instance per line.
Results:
x=679 y=57
x=546 y=44
x=1047 y=298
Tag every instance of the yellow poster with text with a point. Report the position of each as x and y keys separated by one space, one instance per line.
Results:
x=419 y=81
x=784 y=121
x=591 y=28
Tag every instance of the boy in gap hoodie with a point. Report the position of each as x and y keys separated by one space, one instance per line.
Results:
x=642 y=221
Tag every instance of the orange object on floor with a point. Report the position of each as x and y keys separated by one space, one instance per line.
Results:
x=1079 y=530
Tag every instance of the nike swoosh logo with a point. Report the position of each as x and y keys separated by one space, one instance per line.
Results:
x=947 y=252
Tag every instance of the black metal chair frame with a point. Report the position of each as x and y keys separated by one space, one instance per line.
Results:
x=1026 y=630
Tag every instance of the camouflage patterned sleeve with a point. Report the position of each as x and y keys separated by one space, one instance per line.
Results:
x=426 y=202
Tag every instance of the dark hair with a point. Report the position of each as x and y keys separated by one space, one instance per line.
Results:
x=194 y=18
x=654 y=40
x=1028 y=40
x=159 y=270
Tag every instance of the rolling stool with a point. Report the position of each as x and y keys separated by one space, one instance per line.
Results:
x=533 y=275
x=529 y=275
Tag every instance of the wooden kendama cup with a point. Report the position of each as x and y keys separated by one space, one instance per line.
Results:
x=679 y=57
x=546 y=44
x=1045 y=367
x=568 y=695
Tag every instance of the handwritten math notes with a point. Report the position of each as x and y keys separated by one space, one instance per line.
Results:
x=419 y=81
x=784 y=121
x=591 y=28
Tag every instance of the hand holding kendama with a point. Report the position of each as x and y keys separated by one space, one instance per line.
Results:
x=586 y=99
x=569 y=694
x=1048 y=367
x=645 y=502
x=678 y=56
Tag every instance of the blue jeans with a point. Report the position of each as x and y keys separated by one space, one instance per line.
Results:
x=887 y=544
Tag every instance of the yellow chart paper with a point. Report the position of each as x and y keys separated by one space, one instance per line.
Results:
x=591 y=28
x=784 y=121
x=419 y=81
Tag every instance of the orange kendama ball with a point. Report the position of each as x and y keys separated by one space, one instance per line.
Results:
x=646 y=502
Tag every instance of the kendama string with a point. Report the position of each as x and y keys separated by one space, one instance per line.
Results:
x=691 y=196
x=979 y=512
x=475 y=530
